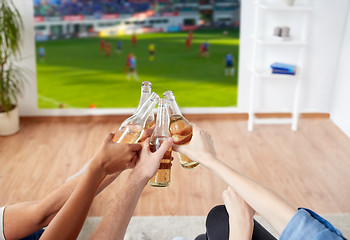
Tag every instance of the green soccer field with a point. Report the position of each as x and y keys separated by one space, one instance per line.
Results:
x=77 y=74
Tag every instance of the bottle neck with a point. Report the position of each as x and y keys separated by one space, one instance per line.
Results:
x=173 y=107
x=141 y=115
x=144 y=96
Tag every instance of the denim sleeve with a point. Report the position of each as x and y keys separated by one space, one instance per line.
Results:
x=2 y=209
x=306 y=224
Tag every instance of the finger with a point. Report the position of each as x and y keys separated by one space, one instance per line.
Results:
x=146 y=133
x=133 y=161
x=145 y=145
x=180 y=148
x=135 y=147
x=109 y=137
x=166 y=145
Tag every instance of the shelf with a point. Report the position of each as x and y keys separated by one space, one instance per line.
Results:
x=274 y=41
x=263 y=40
x=284 y=8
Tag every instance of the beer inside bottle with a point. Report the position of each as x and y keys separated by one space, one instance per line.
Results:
x=180 y=129
x=162 y=176
x=132 y=128
x=159 y=135
x=128 y=134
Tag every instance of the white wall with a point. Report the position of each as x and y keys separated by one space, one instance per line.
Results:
x=325 y=36
x=340 y=109
x=28 y=101
x=327 y=24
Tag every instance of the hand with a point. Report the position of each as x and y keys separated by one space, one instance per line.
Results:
x=113 y=157
x=240 y=215
x=200 y=148
x=148 y=163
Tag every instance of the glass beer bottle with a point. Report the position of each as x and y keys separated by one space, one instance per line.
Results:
x=160 y=134
x=146 y=90
x=180 y=129
x=132 y=128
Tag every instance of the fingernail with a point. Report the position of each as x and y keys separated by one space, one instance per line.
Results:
x=171 y=140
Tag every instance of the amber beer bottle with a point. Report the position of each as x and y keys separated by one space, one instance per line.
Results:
x=180 y=129
x=160 y=134
x=146 y=90
x=132 y=128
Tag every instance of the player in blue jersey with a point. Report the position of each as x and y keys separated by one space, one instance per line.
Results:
x=206 y=48
x=132 y=67
x=119 y=47
x=229 y=60
x=41 y=53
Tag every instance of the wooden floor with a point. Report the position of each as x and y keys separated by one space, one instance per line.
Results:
x=310 y=167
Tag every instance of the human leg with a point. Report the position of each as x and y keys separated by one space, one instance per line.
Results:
x=217 y=227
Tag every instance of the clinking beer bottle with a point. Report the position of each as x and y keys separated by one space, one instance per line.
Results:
x=160 y=134
x=132 y=128
x=145 y=93
x=180 y=129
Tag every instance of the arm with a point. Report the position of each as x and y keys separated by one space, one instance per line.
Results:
x=70 y=219
x=21 y=220
x=272 y=207
x=114 y=224
x=38 y=214
x=240 y=216
x=110 y=158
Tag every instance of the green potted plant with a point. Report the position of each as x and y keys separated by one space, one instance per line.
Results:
x=11 y=76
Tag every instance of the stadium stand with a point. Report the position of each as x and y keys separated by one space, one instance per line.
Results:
x=54 y=8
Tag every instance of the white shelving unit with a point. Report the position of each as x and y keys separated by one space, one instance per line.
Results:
x=264 y=39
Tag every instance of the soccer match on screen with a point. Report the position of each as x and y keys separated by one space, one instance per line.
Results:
x=96 y=53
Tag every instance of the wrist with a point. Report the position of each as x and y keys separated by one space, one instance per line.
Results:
x=210 y=160
x=138 y=178
x=96 y=168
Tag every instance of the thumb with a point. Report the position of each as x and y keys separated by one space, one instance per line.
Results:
x=164 y=147
x=109 y=137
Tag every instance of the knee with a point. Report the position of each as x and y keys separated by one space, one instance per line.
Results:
x=217 y=212
x=217 y=223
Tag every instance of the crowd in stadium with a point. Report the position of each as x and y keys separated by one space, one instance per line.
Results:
x=55 y=8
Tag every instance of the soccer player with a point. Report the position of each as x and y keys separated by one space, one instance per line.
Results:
x=132 y=68
x=230 y=69
x=108 y=49
x=206 y=48
x=119 y=47
x=102 y=45
x=127 y=64
x=41 y=52
x=151 y=49
x=201 y=50
x=188 y=42
x=134 y=39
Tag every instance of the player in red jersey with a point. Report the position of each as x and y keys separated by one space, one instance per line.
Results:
x=127 y=64
x=188 y=42
x=202 y=50
x=134 y=39
x=108 y=49
x=102 y=45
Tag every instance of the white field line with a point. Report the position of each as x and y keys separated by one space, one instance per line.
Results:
x=47 y=99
